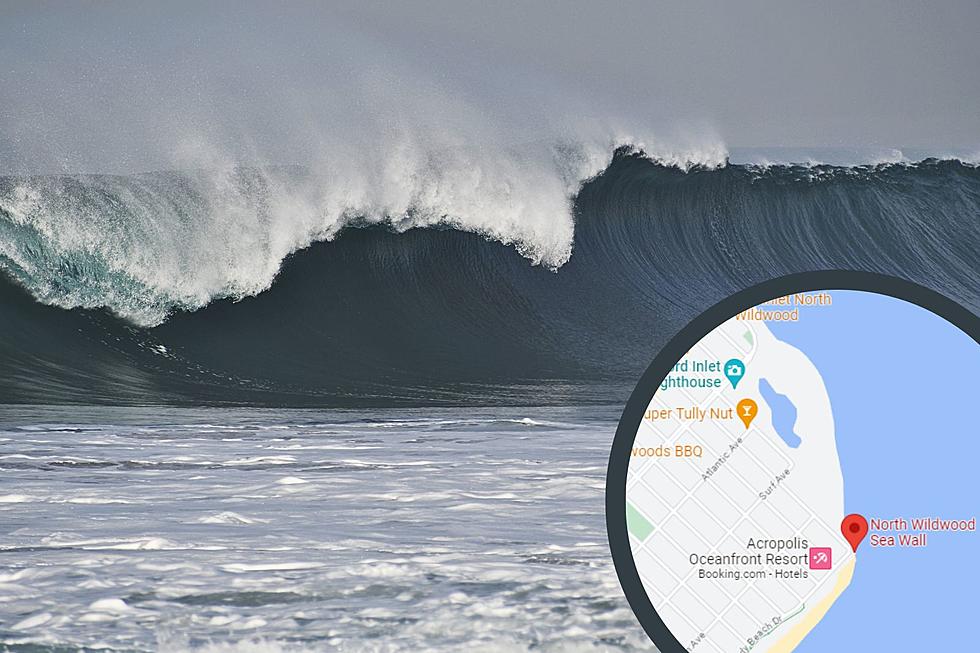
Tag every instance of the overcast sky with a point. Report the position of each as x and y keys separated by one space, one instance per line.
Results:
x=122 y=86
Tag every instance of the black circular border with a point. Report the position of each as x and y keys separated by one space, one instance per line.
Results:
x=679 y=345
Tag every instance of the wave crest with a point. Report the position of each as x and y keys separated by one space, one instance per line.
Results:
x=145 y=245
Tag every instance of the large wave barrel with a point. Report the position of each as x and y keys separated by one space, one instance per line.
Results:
x=383 y=314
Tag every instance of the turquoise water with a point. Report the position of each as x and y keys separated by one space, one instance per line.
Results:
x=903 y=386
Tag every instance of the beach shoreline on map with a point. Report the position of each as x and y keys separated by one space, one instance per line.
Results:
x=815 y=615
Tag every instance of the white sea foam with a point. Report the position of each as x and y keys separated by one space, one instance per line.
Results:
x=135 y=544
x=240 y=568
x=291 y=480
x=96 y=501
x=423 y=545
x=113 y=605
x=229 y=517
x=33 y=621
x=146 y=245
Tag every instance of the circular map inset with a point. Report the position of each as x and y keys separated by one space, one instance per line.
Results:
x=797 y=471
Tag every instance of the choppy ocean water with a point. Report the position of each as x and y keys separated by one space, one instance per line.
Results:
x=165 y=529
x=381 y=529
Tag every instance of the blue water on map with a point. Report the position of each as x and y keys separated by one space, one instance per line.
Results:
x=902 y=384
x=783 y=414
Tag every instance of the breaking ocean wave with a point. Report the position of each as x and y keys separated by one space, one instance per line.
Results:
x=551 y=277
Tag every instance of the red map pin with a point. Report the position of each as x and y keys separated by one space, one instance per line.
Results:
x=854 y=527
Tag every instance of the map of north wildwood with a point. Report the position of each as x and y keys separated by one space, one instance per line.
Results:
x=804 y=480
x=735 y=494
